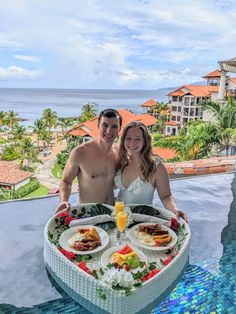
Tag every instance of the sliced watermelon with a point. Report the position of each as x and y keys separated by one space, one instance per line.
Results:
x=125 y=250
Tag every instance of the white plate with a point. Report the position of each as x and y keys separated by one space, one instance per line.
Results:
x=136 y=240
x=105 y=259
x=69 y=232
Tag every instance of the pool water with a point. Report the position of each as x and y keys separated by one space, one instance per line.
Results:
x=207 y=286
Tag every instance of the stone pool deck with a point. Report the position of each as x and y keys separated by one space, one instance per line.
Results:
x=202 y=166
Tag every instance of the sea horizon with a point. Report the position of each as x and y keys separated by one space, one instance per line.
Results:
x=29 y=103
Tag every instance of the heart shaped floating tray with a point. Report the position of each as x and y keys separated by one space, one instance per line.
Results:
x=85 y=284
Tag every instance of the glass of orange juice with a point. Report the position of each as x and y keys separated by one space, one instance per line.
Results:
x=119 y=206
x=121 y=222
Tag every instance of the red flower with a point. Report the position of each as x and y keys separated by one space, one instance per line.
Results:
x=82 y=265
x=68 y=219
x=168 y=260
x=67 y=254
x=63 y=214
x=174 y=224
x=151 y=274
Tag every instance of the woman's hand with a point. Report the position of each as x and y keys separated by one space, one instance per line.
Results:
x=179 y=213
x=63 y=205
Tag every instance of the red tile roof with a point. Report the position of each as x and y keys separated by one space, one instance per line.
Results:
x=164 y=153
x=215 y=73
x=195 y=90
x=90 y=127
x=172 y=123
x=233 y=79
x=11 y=174
x=149 y=103
x=146 y=119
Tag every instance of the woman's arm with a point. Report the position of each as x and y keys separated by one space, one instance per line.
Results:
x=162 y=183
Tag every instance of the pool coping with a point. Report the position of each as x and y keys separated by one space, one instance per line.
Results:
x=224 y=164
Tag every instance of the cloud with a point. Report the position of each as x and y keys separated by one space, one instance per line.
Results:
x=27 y=58
x=110 y=44
x=6 y=42
x=14 y=72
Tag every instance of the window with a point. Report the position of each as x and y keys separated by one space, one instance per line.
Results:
x=174 y=108
x=175 y=98
x=186 y=101
x=179 y=109
x=192 y=101
x=186 y=111
x=191 y=111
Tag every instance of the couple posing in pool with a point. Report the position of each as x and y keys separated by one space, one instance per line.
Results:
x=130 y=166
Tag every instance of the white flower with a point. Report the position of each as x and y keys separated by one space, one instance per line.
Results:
x=119 y=276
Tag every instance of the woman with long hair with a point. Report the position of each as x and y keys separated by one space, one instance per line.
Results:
x=140 y=172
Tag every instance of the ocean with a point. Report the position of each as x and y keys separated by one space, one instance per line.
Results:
x=30 y=103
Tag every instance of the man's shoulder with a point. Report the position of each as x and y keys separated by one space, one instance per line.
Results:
x=84 y=148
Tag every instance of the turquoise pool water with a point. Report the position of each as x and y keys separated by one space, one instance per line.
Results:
x=207 y=286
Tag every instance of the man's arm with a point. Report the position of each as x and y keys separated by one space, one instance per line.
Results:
x=70 y=172
x=164 y=192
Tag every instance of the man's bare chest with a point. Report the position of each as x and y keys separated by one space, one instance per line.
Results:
x=98 y=168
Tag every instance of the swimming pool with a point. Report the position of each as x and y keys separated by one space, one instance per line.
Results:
x=207 y=286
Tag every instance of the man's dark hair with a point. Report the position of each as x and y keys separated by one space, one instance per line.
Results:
x=110 y=113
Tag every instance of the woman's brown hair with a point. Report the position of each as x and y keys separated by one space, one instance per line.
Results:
x=148 y=160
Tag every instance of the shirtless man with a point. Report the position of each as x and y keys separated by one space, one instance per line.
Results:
x=94 y=163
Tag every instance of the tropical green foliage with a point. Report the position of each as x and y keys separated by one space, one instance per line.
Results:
x=27 y=152
x=65 y=124
x=11 y=119
x=50 y=118
x=198 y=138
x=88 y=112
x=9 y=153
x=64 y=155
x=194 y=141
x=27 y=188
x=224 y=119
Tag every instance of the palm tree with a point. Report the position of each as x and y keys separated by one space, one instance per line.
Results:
x=2 y=118
x=11 y=119
x=88 y=112
x=64 y=123
x=50 y=118
x=224 y=118
x=38 y=129
x=28 y=151
x=46 y=137
x=158 y=109
x=194 y=141
x=18 y=132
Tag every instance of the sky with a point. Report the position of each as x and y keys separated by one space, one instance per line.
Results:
x=111 y=44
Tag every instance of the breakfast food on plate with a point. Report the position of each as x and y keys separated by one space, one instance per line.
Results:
x=85 y=239
x=125 y=258
x=153 y=235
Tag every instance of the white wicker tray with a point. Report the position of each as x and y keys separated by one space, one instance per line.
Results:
x=84 y=288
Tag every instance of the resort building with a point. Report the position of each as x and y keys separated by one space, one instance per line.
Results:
x=11 y=177
x=186 y=100
x=148 y=105
x=88 y=130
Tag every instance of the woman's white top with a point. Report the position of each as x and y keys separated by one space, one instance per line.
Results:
x=138 y=192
